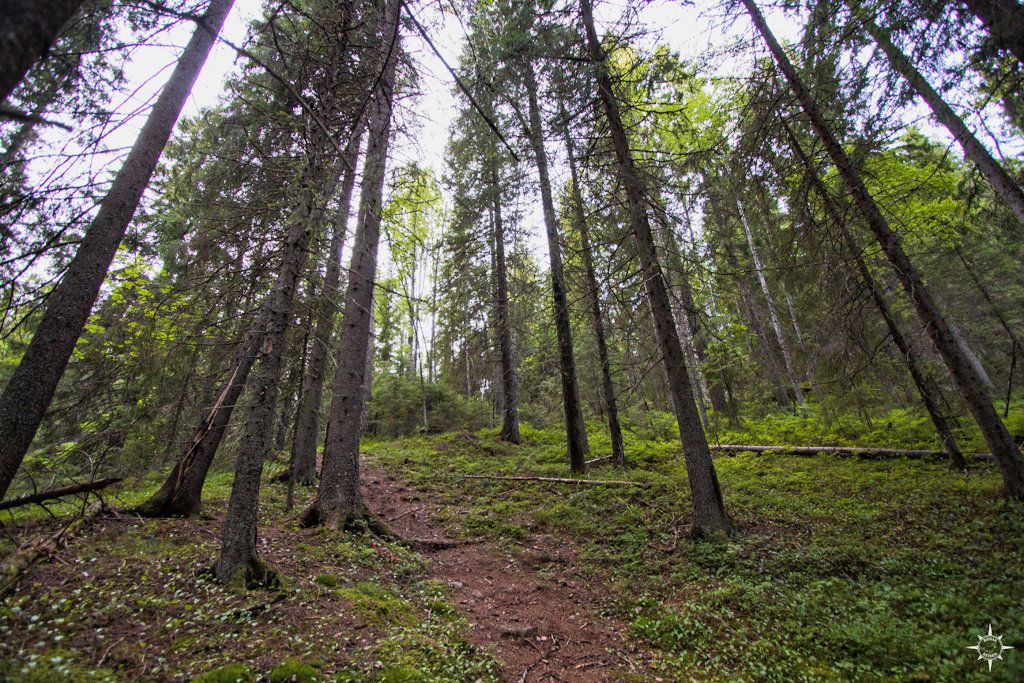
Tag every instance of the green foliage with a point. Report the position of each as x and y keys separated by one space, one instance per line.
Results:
x=397 y=402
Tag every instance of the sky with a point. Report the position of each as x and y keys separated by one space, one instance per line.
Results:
x=682 y=28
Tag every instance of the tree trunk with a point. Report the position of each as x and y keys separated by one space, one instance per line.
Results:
x=30 y=389
x=307 y=421
x=238 y=556
x=575 y=429
x=292 y=386
x=927 y=388
x=996 y=175
x=596 y=314
x=683 y=310
x=708 y=508
x=29 y=28
x=1004 y=20
x=181 y=493
x=773 y=313
x=509 y=381
x=967 y=380
x=338 y=500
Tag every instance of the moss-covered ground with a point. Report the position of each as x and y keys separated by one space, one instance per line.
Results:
x=131 y=599
x=840 y=568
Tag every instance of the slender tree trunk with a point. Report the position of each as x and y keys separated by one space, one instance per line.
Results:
x=292 y=386
x=338 y=500
x=575 y=429
x=1004 y=20
x=181 y=493
x=996 y=175
x=773 y=313
x=29 y=28
x=30 y=389
x=927 y=388
x=307 y=426
x=509 y=381
x=708 y=508
x=238 y=556
x=966 y=377
x=683 y=310
x=596 y=314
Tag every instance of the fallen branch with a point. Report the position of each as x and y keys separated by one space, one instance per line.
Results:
x=31 y=553
x=842 y=450
x=438 y=543
x=559 y=480
x=59 y=492
x=597 y=460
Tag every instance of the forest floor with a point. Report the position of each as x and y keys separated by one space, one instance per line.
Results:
x=841 y=569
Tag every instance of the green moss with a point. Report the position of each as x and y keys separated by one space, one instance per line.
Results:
x=229 y=673
x=328 y=581
x=376 y=605
x=402 y=674
x=293 y=671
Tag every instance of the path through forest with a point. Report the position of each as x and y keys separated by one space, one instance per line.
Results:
x=542 y=617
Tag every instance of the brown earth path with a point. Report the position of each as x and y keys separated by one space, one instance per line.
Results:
x=543 y=626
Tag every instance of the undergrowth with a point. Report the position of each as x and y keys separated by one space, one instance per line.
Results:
x=131 y=599
x=840 y=569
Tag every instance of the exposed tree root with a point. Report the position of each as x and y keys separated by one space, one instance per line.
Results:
x=255 y=573
x=365 y=521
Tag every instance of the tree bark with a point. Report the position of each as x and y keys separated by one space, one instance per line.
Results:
x=307 y=427
x=708 y=508
x=1001 y=182
x=30 y=389
x=967 y=380
x=338 y=500
x=575 y=429
x=509 y=381
x=596 y=314
x=28 y=29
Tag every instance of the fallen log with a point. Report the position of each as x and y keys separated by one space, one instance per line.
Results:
x=51 y=494
x=842 y=450
x=559 y=480
x=29 y=554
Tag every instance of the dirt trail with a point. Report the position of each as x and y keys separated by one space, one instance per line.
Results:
x=545 y=626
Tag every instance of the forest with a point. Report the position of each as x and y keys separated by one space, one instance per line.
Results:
x=511 y=340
